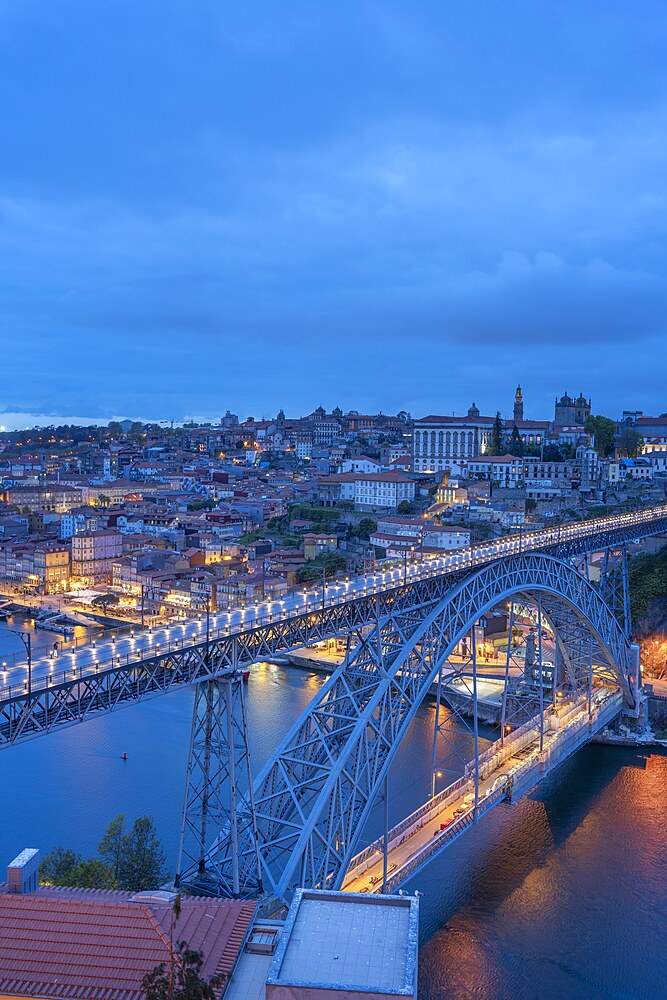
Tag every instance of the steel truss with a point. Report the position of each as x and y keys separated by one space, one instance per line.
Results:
x=218 y=794
x=615 y=587
x=55 y=704
x=314 y=797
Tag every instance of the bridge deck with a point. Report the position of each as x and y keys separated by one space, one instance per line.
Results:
x=505 y=771
x=90 y=659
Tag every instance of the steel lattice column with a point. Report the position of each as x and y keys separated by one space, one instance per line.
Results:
x=219 y=802
x=614 y=586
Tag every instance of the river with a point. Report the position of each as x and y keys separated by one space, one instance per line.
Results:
x=563 y=894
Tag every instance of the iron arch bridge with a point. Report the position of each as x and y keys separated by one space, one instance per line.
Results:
x=300 y=822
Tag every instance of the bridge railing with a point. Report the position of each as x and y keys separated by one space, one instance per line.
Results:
x=373 y=584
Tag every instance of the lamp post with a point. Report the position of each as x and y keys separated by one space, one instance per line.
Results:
x=26 y=639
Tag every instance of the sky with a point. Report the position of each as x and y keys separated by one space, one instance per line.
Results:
x=375 y=204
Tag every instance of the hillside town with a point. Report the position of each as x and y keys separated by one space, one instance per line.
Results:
x=137 y=519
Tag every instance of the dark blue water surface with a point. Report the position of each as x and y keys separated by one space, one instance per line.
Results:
x=563 y=894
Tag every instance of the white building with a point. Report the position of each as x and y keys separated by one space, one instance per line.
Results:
x=506 y=470
x=382 y=489
x=440 y=441
x=442 y=537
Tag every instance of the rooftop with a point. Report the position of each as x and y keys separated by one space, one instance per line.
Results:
x=349 y=941
x=79 y=943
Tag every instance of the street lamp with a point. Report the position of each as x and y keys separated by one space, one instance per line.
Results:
x=434 y=775
x=26 y=639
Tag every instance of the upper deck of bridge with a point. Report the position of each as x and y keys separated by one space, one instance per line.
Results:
x=562 y=539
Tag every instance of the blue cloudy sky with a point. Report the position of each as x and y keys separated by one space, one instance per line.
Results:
x=371 y=203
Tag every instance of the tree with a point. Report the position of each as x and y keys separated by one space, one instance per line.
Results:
x=515 y=446
x=404 y=507
x=143 y=858
x=365 y=528
x=58 y=865
x=111 y=846
x=552 y=453
x=104 y=500
x=201 y=505
x=630 y=442
x=603 y=430
x=104 y=600
x=114 y=429
x=496 y=446
x=64 y=867
x=182 y=980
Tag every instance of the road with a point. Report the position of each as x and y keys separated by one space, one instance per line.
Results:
x=452 y=810
x=107 y=653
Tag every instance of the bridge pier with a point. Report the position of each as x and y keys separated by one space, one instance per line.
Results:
x=218 y=803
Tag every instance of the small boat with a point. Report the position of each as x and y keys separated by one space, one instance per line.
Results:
x=123 y=756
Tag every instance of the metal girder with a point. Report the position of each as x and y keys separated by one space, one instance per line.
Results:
x=218 y=792
x=314 y=796
x=54 y=704
x=615 y=587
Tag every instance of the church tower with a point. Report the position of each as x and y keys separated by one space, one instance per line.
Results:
x=518 y=404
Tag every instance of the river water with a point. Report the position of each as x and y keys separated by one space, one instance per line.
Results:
x=563 y=894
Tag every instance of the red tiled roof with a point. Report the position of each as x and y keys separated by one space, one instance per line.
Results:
x=58 y=945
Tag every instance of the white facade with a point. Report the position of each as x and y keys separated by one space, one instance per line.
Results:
x=383 y=489
x=445 y=538
x=440 y=441
x=503 y=469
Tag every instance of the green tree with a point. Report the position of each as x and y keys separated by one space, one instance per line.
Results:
x=404 y=507
x=496 y=445
x=515 y=446
x=114 y=429
x=104 y=500
x=91 y=873
x=182 y=979
x=104 y=601
x=603 y=430
x=143 y=857
x=630 y=442
x=111 y=847
x=57 y=866
x=552 y=453
x=64 y=867
x=201 y=505
x=365 y=528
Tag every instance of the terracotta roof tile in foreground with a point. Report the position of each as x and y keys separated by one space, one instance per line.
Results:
x=54 y=945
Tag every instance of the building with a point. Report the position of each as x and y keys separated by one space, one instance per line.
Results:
x=504 y=470
x=518 y=405
x=93 y=554
x=382 y=489
x=51 y=566
x=569 y=410
x=73 y=943
x=370 y=491
x=346 y=945
x=437 y=536
x=315 y=545
x=440 y=441
x=56 y=498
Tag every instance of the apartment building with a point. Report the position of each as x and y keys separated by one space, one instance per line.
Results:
x=93 y=553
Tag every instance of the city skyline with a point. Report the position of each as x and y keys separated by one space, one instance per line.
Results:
x=404 y=206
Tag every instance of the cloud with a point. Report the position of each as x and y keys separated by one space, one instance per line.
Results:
x=393 y=200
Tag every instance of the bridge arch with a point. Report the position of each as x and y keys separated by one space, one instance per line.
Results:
x=314 y=796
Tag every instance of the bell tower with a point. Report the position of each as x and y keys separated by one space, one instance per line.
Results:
x=518 y=404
